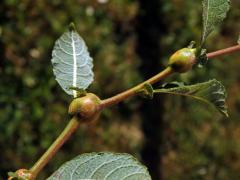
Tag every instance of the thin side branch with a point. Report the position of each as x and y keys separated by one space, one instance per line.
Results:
x=165 y=73
x=221 y=52
x=62 y=138
x=133 y=91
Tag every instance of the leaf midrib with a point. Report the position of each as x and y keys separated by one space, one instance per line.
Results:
x=74 y=66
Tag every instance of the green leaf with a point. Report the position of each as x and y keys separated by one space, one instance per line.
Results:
x=107 y=166
x=214 y=11
x=72 y=64
x=239 y=40
x=211 y=92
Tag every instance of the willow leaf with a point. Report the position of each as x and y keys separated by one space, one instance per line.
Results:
x=105 y=166
x=211 y=92
x=72 y=64
x=214 y=12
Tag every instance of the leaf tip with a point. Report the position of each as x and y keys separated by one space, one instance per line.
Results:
x=72 y=27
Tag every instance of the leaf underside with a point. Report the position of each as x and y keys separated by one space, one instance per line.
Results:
x=72 y=65
x=214 y=12
x=102 y=166
x=211 y=92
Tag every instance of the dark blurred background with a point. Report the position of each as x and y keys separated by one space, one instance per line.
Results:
x=177 y=138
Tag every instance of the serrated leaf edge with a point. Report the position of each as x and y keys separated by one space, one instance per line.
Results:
x=222 y=110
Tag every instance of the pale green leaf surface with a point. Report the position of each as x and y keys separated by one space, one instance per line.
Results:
x=72 y=65
x=211 y=92
x=214 y=12
x=102 y=166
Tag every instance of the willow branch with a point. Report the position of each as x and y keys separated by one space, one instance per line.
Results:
x=74 y=123
x=133 y=91
x=163 y=74
x=225 y=51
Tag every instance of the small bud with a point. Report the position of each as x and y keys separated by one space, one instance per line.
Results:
x=86 y=107
x=182 y=60
x=146 y=91
x=21 y=174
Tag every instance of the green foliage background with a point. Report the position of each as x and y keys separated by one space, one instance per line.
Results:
x=198 y=143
